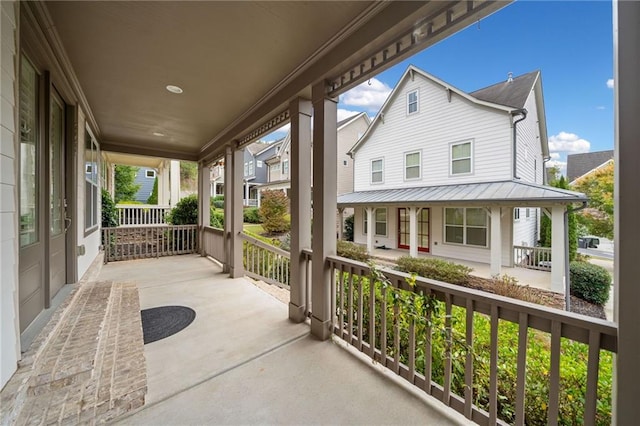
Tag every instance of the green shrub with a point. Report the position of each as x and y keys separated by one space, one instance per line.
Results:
x=251 y=215
x=153 y=198
x=216 y=218
x=273 y=210
x=130 y=202
x=352 y=251
x=348 y=228
x=185 y=212
x=436 y=269
x=109 y=216
x=218 y=204
x=590 y=282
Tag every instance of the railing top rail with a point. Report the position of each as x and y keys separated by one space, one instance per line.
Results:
x=532 y=248
x=160 y=226
x=142 y=206
x=575 y=326
x=263 y=245
x=213 y=230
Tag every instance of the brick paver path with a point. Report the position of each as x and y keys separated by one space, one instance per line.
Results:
x=87 y=366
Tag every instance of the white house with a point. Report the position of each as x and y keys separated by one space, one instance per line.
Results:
x=451 y=173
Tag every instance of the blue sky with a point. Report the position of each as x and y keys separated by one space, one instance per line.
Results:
x=571 y=42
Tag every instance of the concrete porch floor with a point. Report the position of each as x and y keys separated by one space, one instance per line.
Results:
x=242 y=362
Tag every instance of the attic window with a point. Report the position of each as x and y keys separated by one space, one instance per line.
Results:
x=412 y=102
x=150 y=174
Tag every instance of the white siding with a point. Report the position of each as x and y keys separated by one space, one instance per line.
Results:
x=525 y=229
x=529 y=151
x=9 y=328
x=91 y=241
x=389 y=240
x=437 y=124
x=347 y=137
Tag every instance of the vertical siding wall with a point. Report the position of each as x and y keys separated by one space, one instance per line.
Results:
x=437 y=124
x=9 y=331
x=529 y=153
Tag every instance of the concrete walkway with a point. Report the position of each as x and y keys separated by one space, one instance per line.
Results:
x=242 y=362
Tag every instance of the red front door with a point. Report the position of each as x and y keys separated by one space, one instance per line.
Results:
x=423 y=229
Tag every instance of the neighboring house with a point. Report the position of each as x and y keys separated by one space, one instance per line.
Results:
x=455 y=174
x=579 y=165
x=145 y=177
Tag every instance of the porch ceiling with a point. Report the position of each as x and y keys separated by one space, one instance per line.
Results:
x=237 y=62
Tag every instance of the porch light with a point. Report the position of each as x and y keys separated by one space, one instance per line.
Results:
x=174 y=89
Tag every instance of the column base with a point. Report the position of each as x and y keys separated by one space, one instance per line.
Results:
x=236 y=272
x=320 y=329
x=297 y=313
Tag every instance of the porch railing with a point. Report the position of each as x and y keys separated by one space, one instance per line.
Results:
x=128 y=243
x=425 y=331
x=250 y=202
x=213 y=244
x=265 y=262
x=141 y=214
x=532 y=257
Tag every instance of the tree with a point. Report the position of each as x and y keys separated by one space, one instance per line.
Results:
x=598 y=186
x=273 y=209
x=125 y=186
x=153 y=198
x=545 y=225
x=109 y=216
x=188 y=175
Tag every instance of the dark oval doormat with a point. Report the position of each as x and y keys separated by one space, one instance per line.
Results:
x=164 y=321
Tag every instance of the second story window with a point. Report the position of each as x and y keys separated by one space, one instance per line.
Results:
x=412 y=102
x=461 y=161
x=285 y=167
x=259 y=163
x=412 y=165
x=377 y=171
x=246 y=169
x=252 y=170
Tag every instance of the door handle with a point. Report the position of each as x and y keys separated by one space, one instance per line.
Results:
x=67 y=221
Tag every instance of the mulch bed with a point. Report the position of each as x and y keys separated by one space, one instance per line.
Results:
x=545 y=297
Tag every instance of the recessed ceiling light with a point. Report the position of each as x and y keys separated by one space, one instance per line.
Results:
x=174 y=89
x=158 y=134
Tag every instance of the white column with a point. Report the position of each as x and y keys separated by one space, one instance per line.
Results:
x=237 y=269
x=174 y=182
x=164 y=190
x=626 y=382
x=557 y=249
x=214 y=189
x=246 y=192
x=369 y=212
x=413 y=232
x=496 y=241
x=259 y=195
x=325 y=187
x=228 y=208
x=340 y=223
x=204 y=200
x=300 y=162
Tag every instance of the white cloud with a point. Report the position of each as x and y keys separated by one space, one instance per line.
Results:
x=369 y=95
x=568 y=142
x=346 y=113
x=555 y=155
x=610 y=83
x=561 y=165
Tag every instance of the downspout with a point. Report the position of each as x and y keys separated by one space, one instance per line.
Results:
x=567 y=279
x=545 y=160
x=515 y=112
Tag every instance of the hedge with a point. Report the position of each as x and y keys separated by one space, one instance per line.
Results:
x=435 y=269
x=590 y=282
x=352 y=251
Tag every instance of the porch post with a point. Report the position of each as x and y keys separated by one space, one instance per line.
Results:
x=204 y=200
x=496 y=241
x=626 y=382
x=413 y=232
x=215 y=189
x=369 y=212
x=325 y=135
x=246 y=193
x=164 y=191
x=340 y=223
x=228 y=208
x=237 y=269
x=174 y=182
x=557 y=249
x=259 y=195
x=300 y=113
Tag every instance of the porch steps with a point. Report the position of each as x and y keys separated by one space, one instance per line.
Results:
x=87 y=366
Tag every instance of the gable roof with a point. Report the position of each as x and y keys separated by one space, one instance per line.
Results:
x=491 y=104
x=353 y=118
x=581 y=164
x=256 y=147
x=512 y=93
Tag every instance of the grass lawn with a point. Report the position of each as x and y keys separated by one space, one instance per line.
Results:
x=254 y=228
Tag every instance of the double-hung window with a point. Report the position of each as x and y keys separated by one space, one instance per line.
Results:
x=377 y=170
x=412 y=165
x=467 y=226
x=251 y=168
x=285 y=167
x=412 y=102
x=380 y=221
x=461 y=158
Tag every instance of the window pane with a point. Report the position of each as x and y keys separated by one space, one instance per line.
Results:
x=381 y=228
x=376 y=166
x=412 y=172
x=55 y=191
x=461 y=166
x=477 y=236
x=376 y=177
x=381 y=215
x=454 y=234
x=28 y=154
x=413 y=97
x=462 y=150
x=364 y=215
x=424 y=241
x=476 y=217
x=454 y=216
x=412 y=159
